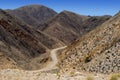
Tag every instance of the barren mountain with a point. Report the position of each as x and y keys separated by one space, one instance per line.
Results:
x=68 y=26
x=98 y=51
x=65 y=26
x=21 y=42
x=33 y=15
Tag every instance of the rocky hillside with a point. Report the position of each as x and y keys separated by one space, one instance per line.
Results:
x=68 y=26
x=98 y=51
x=33 y=15
x=21 y=42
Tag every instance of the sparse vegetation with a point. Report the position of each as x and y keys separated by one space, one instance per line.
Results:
x=90 y=78
x=58 y=75
x=72 y=73
x=115 y=77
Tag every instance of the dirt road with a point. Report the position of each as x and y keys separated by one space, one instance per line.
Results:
x=54 y=59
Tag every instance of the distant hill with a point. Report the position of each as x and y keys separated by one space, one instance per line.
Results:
x=98 y=51
x=68 y=26
x=33 y=15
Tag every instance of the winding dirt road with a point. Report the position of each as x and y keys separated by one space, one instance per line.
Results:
x=54 y=59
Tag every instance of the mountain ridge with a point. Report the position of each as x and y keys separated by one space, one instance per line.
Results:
x=71 y=25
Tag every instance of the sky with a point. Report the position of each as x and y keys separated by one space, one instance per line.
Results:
x=83 y=7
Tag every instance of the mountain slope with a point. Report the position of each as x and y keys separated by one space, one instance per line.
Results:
x=97 y=51
x=62 y=27
x=68 y=26
x=21 y=42
x=33 y=15
x=65 y=26
x=93 y=22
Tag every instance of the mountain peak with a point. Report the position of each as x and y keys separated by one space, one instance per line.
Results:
x=35 y=6
x=66 y=12
x=34 y=14
x=69 y=13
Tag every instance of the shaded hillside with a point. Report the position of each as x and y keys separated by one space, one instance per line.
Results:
x=33 y=14
x=48 y=41
x=21 y=42
x=68 y=26
x=97 y=51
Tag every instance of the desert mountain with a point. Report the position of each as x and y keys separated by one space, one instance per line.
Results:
x=65 y=26
x=98 y=51
x=21 y=42
x=68 y=26
x=33 y=15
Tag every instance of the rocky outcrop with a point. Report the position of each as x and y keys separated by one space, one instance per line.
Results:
x=107 y=62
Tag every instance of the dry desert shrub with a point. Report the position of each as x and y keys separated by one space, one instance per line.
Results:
x=115 y=76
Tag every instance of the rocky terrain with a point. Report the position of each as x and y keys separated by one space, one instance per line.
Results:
x=33 y=15
x=15 y=74
x=50 y=73
x=98 y=51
